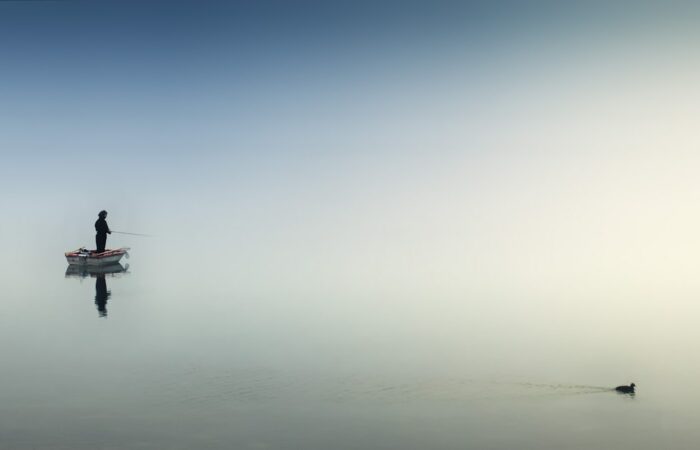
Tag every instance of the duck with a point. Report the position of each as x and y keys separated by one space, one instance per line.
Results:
x=626 y=389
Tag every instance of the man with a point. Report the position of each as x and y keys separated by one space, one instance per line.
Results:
x=102 y=231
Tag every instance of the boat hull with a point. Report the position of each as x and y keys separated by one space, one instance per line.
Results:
x=83 y=257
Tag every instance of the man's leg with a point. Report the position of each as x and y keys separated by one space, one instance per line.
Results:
x=100 y=241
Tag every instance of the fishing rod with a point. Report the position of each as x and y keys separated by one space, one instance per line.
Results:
x=132 y=234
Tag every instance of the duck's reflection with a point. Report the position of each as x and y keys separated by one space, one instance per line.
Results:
x=100 y=273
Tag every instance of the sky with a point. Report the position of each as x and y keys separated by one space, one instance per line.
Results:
x=371 y=146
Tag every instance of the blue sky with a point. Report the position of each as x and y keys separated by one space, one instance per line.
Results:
x=486 y=138
x=150 y=79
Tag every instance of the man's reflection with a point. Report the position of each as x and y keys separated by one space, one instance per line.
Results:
x=101 y=295
x=100 y=274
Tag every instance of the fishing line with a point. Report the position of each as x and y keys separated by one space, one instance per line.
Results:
x=133 y=234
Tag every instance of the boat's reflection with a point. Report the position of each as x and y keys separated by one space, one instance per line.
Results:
x=100 y=273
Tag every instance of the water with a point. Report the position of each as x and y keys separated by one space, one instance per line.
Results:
x=177 y=355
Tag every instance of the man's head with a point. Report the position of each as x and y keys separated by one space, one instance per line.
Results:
x=102 y=214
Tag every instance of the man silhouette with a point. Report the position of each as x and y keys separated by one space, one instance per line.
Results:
x=102 y=231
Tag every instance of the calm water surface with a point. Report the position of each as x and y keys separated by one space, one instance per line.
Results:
x=171 y=353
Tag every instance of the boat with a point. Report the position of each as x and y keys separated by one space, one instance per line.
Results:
x=83 y=256
x=85 y=271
